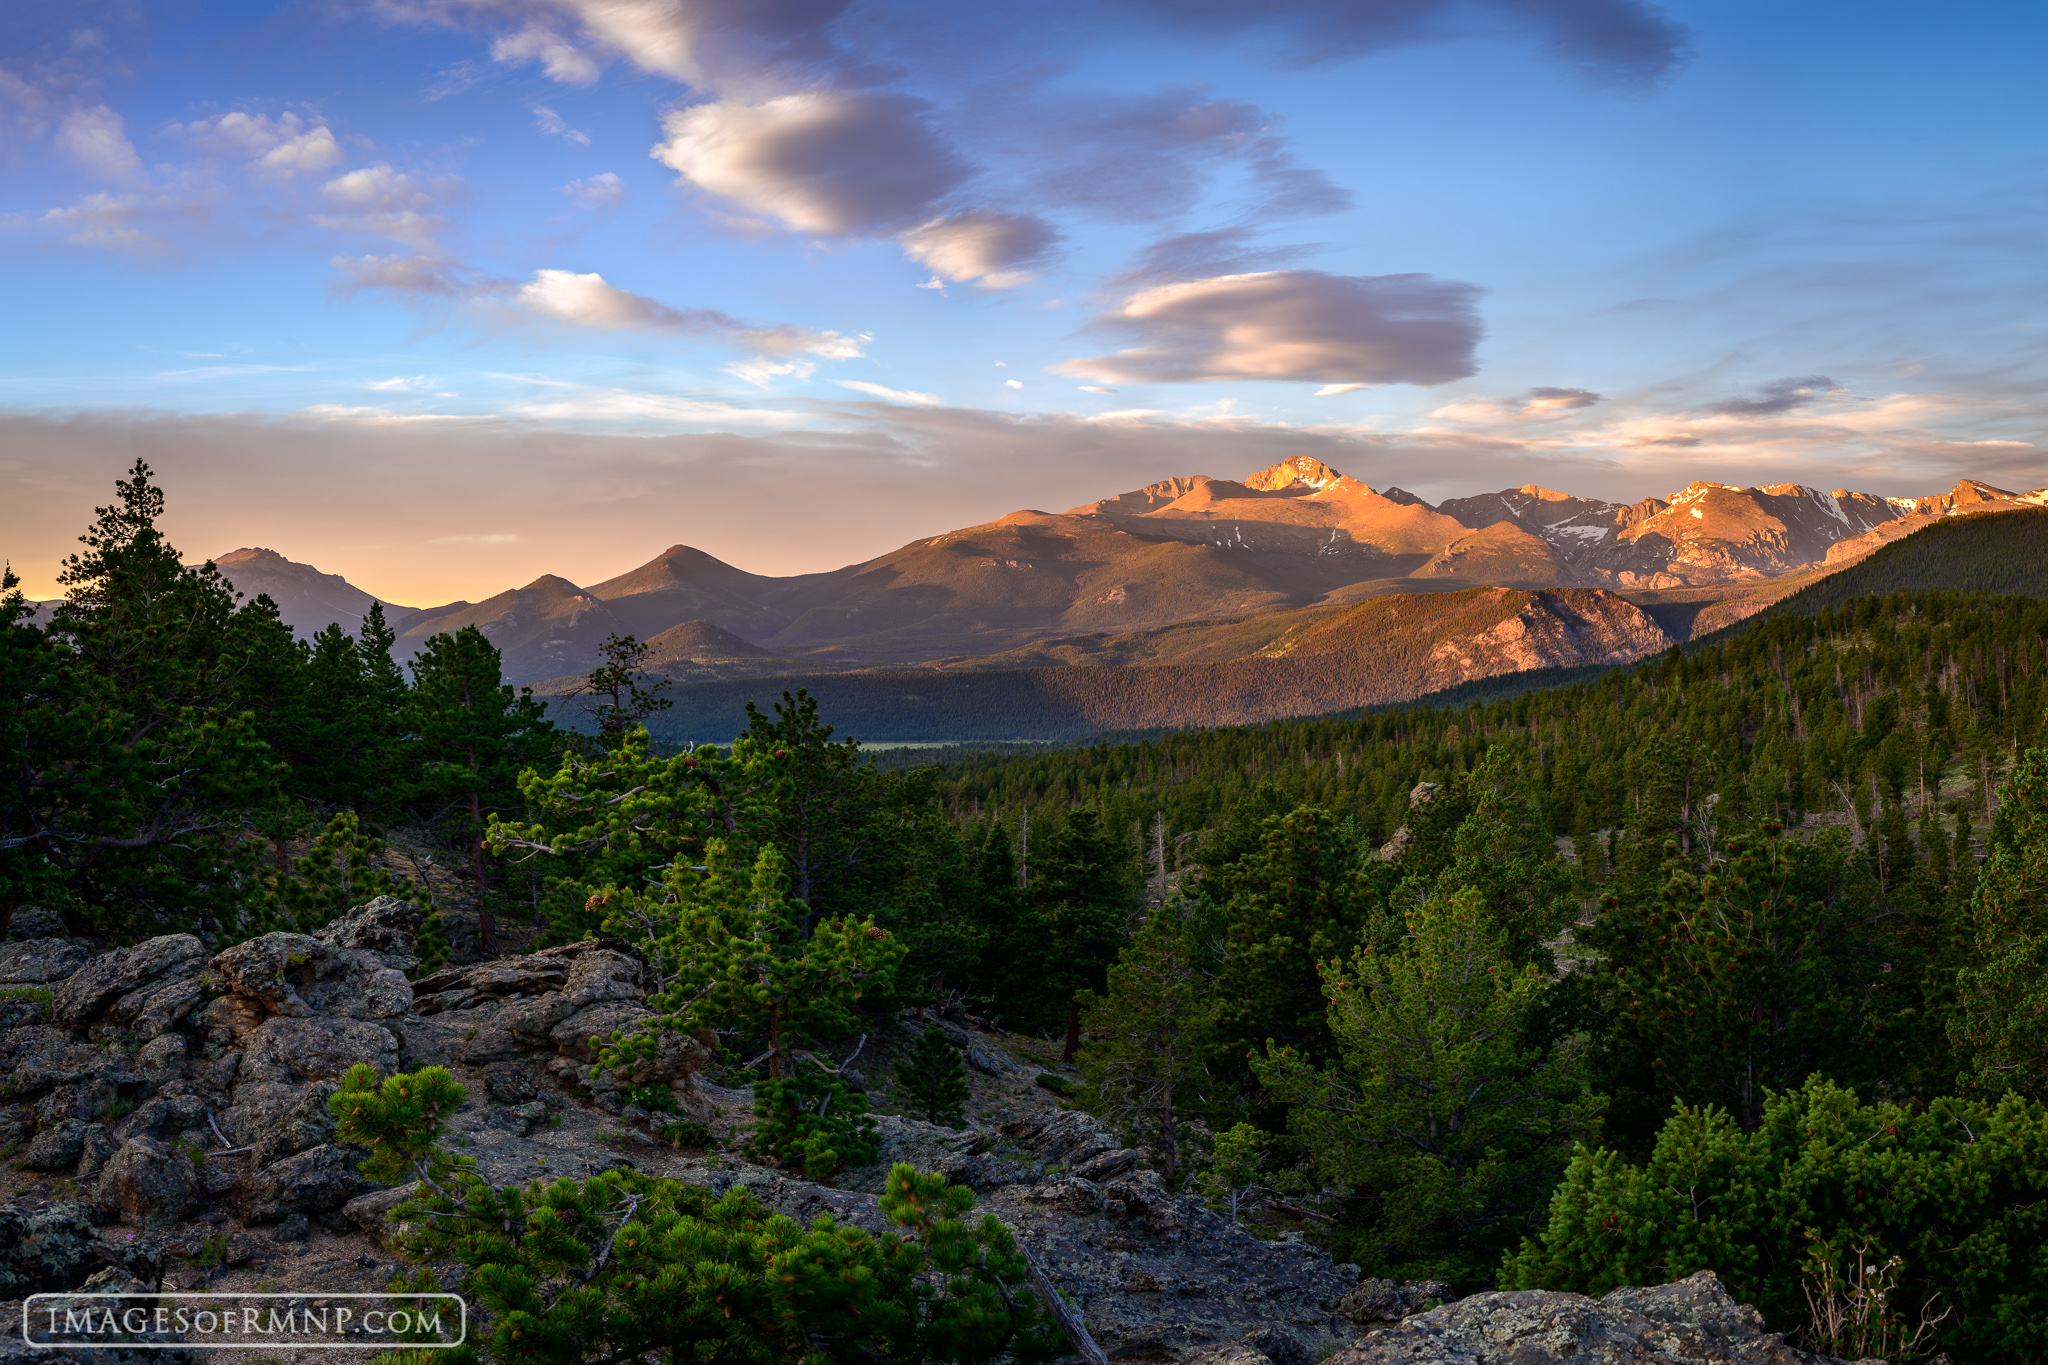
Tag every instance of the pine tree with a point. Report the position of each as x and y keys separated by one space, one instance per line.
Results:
x=474 y=736
x=932 y=1081
x=1081 y=884
x=621 y=669
x=1145 y=1039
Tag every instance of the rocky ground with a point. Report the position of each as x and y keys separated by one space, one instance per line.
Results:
x=163 y=1115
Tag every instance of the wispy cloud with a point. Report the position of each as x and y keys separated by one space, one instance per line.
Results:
x=889 y=395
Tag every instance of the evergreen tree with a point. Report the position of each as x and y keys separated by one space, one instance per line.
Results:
x=474 y=737
x=145 y=781
x=1082 y=888
x=932 y=1081
x=823 y=822
x=617 y=679
x=1146 y=1038
x=2004 y=989
x=41 y=719
x=1438 y=1117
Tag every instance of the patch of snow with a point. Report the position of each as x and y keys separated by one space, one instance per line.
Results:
x=1584 y=532
x=1698 y=513
x=1831 y=503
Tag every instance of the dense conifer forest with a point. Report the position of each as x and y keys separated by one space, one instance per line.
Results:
x=1732 y=958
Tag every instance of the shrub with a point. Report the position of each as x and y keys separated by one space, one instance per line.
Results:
x=1957 y=1191
x=626 y=1264
x=932 y=1081
x=1058 y=1085
x=814 y=1123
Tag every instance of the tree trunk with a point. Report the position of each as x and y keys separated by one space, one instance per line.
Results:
x=775 y=1066
x=486 y=928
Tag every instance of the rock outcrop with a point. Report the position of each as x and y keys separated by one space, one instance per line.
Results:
x=1691 y=1322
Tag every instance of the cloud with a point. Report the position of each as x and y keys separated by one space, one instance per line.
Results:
x=656 y=409
x=589 y=301
x=1780 y=396
x=1013 y=383
x=551 y=124
x=761 y=371
x=112 y=221
x=981 y=244
x=1197 y=255
x=1544 y=401
x=1332 y=390
x=597 y=191
x=560 y=58
x=285 y=145
x=96 y=139
x=697 y=42
x=382 y=202
x=829 y=162
x=1149 y=157
x=1621 y=43
x=424 y=274
x=889 y=395
x=1299 y=325
x=1095 y=388
x=400 y=384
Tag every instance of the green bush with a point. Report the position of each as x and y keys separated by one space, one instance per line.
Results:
x=812 y=1122
x=1058 y=1085
x=932 y=1081
x=626 y=1265
x=1959 y=1191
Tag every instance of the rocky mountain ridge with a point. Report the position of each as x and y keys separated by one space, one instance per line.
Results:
x=1190 y=548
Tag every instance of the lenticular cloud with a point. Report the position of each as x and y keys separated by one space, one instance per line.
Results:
x=1300 y=325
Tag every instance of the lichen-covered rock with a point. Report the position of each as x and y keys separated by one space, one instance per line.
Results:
x=357 y=985
x=33 y=922
x=372 y=1212
x=572 y=1036
x=47 y=1249
x=163 y=1055
x=40 y=960
x=165 y=1007
x=148 y=1181
x=279 y=1120
x=99 y=983
x=603 y=974
x=1691 y=1322
x=271 y=969
x=57 y=1146
x=387 y=926
x=312 y=1181
x=1381 y=1301
x=291 y=1051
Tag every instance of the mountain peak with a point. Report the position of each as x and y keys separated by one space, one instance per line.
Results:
x=1542 y=494
x=1296 y=471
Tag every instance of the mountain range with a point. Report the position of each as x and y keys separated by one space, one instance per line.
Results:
x=1189 y=570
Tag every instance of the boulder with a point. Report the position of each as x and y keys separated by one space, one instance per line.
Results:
x=148 y=1181
x=1692 y=1321
x=165 y=1007
x=46 y=1249
x=57 y=1147
x=572 y=1036
x=33 y=922
x=1266 y=1346
x=40 y=960
x=310 y=1182
x=279 y=1120
x=520 y=1119
x=293 y=1051
x=162 y=1055
x=387 y=926
x=356 y=984
x=228 y=1019
x=110 y=976
x=271 y=968
x=372 y=1212
x=603 y=974
x=1383 y=1301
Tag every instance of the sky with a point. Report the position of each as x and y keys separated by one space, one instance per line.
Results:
x=442 y=295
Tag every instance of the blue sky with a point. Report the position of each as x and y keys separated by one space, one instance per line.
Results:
x=442 y=294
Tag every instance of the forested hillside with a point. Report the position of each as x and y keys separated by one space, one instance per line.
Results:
x=1735 y=959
